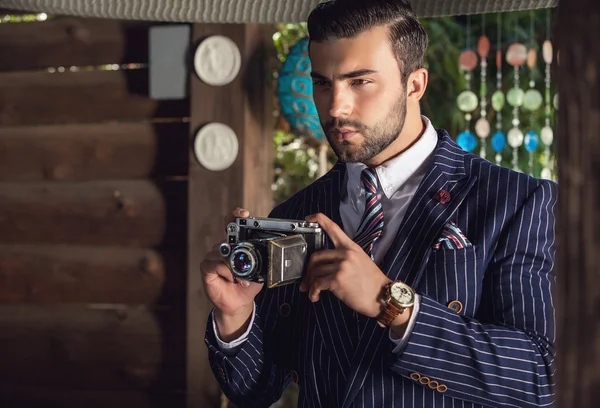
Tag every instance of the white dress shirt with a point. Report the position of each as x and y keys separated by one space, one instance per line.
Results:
x=398 y=179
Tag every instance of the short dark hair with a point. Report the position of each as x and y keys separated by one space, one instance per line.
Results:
x=337 y=19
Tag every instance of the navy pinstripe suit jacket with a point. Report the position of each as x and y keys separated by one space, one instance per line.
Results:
x=496 y=352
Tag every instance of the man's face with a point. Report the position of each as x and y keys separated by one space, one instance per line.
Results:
x=358 y=92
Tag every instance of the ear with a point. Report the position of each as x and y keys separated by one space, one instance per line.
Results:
x=416 y=84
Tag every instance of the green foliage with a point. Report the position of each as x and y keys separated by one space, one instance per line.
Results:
x=23 y=18
x=296 y=164
x=286 y=36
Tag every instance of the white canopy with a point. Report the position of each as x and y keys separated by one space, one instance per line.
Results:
x=244 y=11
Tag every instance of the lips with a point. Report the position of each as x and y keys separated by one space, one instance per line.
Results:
x=345 y=134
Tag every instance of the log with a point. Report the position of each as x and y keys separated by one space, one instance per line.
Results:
x=91 y=348
x=137 y=213
x=47 y=274
x=15 y=396
x=112 y=151
x=578 y=223
x=81 y=97
x=68 y=41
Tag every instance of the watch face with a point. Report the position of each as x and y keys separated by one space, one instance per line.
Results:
x=402 y=294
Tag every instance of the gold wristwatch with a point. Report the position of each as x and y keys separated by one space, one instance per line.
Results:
x=398 y=297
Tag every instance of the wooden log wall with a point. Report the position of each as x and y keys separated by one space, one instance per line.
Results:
x=105 y=213
x=93 y=220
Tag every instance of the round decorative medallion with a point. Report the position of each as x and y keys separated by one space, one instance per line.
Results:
x=217 y=60
x=216 y=146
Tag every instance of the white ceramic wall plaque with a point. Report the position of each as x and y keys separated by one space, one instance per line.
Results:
x=216 y=146
x=217 y=60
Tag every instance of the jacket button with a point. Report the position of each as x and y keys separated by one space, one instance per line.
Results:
x=433 y=384
x=442 y=388
x=285 y=310
x=424 y=380
x=415 y=376
x=456 y=306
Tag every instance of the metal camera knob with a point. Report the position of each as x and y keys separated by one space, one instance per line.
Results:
x=225 y=249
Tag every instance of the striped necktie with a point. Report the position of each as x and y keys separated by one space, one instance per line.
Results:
x=371 y=224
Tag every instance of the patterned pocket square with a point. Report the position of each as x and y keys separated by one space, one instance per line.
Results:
x=452 y=238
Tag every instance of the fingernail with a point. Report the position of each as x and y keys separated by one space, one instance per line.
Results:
x=245 y=283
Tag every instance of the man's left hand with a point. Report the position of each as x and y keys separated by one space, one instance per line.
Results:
x=346 y=271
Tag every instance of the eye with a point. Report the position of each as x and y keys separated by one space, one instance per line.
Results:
x=360 y=82
x=320 y=82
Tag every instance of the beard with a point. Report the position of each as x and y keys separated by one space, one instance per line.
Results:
x=376 y=138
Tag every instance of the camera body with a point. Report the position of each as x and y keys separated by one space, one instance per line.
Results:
x=270 y=250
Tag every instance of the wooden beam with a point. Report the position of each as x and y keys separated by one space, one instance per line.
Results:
x=80 y=274
x=259 y=91
x=81 y=97
x=91 y=348
x=246 y=183
x=129 y=213
x=578 y=258
x=109 y=151
x=70 y=41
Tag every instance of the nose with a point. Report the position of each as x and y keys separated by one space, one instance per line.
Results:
x=340 y=104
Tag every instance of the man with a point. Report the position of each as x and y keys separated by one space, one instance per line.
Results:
x=436 y=286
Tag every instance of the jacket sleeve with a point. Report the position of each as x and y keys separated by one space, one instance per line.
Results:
x=505 y=356
x=255 y=375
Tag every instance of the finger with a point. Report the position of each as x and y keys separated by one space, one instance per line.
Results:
x=327 y=256
x=318 y=272
x=337 y=235
x=323 y=283
x=216 y=257
x=213 y=269
x=215 y=264
x=237 y=213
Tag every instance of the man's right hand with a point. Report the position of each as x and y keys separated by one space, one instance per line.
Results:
x=233 y=301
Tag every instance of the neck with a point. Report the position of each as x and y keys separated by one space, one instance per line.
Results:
x=414 y=128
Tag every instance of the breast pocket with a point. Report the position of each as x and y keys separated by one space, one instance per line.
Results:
x=453 y=277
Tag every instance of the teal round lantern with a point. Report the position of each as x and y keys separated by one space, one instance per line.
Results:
x=294 y=91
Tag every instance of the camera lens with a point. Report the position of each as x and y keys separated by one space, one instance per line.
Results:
x=242 y=262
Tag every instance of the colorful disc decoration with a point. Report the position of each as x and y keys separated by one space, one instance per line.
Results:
x=514 y=118
x=467 y=101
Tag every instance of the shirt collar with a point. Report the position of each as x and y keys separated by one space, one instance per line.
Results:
x=395 y=172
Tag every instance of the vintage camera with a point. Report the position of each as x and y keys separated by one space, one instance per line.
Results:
x=270 y=250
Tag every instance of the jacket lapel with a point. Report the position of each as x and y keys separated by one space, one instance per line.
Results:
x=407 y=256
x=334 y=319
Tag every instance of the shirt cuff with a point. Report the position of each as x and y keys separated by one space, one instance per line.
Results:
x=402 y=342
x=233 y=346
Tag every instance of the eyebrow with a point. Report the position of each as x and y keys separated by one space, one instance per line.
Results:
x=348 y=75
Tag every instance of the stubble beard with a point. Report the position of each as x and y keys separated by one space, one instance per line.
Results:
x=375 y=138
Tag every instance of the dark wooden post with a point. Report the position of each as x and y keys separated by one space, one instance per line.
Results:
x=245 y=106
x=578 y=245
